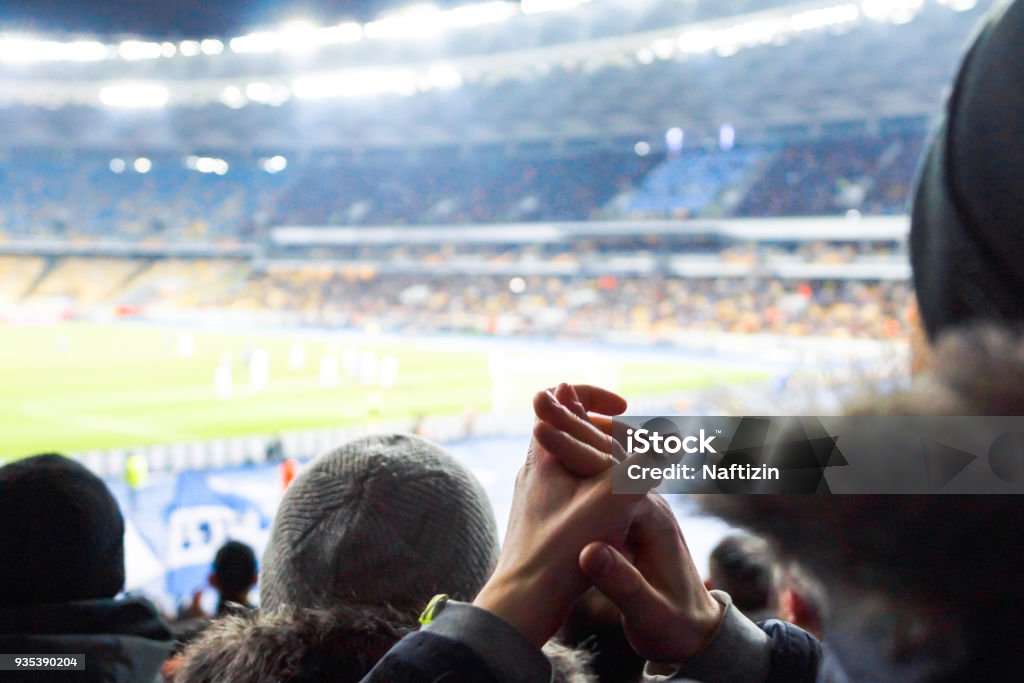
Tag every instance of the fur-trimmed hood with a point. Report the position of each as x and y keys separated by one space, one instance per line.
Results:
x=340 y=645
x=294 y=645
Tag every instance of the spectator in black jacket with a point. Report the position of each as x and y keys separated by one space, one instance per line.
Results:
x=61 y=569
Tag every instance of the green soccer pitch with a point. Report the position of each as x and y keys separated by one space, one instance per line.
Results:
x=84 y=386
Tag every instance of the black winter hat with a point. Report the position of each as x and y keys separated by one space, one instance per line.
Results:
x=967 y=231
x=61 y=533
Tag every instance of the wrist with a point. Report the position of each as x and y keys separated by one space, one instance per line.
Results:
x=705 y=621
x=697 y=628
x=526 y=604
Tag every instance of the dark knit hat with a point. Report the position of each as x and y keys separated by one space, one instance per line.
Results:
x=61 y=533
x=390 y=519
x=967 y=232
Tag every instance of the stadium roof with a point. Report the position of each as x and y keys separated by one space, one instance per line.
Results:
x=482 y=75
x=179 y=19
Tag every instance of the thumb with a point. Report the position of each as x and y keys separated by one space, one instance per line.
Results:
x=619 y=581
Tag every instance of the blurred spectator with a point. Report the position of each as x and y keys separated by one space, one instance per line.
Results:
x=745 y=567
x=803 y=600
x=234 y=575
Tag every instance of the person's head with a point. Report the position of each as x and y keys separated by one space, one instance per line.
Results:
x=745 y=567
x=382 y=520
x=234 y=571
x=61 y=534
x=925 y=584
x=966 y=246
x=803 y=600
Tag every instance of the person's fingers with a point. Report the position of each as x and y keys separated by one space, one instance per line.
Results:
x=603 y=422
x=598 y=400
x=549 y=408
x=575 y=455
x=568 y=397
x=660 y=549
x=620 y=582
x=607 y=425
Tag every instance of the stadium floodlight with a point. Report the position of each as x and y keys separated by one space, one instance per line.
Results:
x=233 y=97
x=297 y=36
x=726 y=137
x=206 y=164
x=417 y=20
x=663 y=48
x=168 y=50
x=425 y=20
x=211 y=46
x=674 y=138
x=274 y=164
x=698 y=42
x=23 y=50
x=189 y=48
x=133 y=50
x=267 y=93
x=259 y=92
x=356 y=83
x=117 y=166
x=348 y=32
x=729 y=40
x=142 y=165
x=134 y=96
x=642 y=148
x=538 y=6
x=261 y=41
x=444 y=77
x=825 y=17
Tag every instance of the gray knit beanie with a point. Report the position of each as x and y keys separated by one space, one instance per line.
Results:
x=390 y=519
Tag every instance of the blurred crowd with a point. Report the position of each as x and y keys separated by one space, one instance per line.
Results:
x=589 y=308
x=653 y=307
x=78 y=195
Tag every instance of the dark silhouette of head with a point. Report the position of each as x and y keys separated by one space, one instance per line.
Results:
x=61 y=533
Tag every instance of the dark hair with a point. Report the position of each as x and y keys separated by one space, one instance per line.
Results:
x=745 y=567
x=934 y=577
x=61 y=533
x=235 y=567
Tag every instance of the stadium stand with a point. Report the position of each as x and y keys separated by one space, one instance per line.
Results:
x=834 y=175
x=693 y=184
x=73 y=195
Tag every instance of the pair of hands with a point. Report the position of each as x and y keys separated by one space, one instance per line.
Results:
x=567 y=531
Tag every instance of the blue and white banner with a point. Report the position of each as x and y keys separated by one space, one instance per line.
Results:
x=200 y=519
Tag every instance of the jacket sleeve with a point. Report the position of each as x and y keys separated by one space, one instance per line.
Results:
x=463 y=644
x=741 y=651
